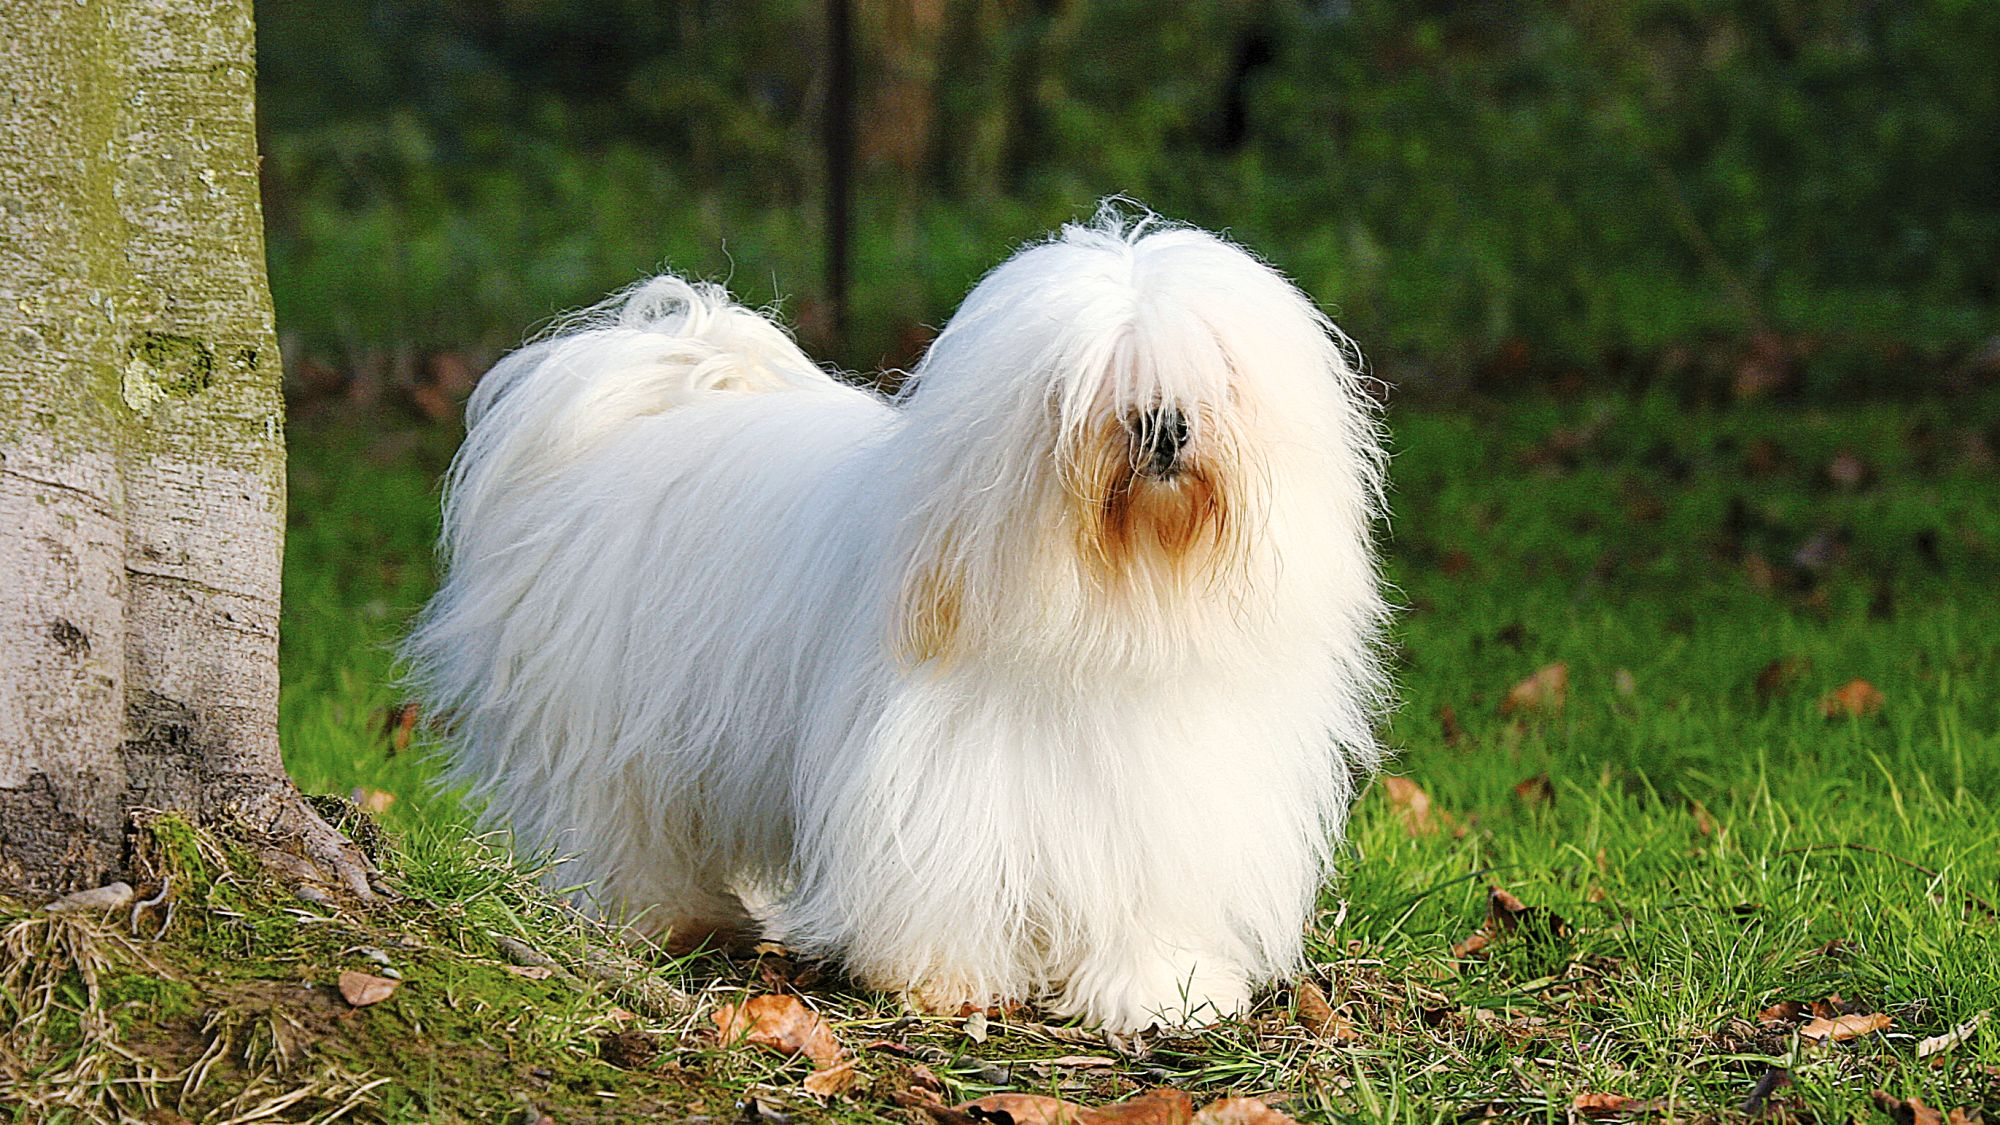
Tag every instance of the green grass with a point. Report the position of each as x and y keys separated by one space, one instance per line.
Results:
x=1708 y=848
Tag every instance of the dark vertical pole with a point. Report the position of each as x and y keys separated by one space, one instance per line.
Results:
x=839 y=160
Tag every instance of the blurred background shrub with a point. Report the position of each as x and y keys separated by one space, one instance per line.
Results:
x=1745 y=193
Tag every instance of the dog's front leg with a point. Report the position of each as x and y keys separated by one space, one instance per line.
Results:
x=942 y=943
x=1142 y=979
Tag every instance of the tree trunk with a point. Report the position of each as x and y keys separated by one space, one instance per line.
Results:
x=141 y=442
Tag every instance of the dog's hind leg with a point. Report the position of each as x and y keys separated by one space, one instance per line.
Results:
x=682 y=911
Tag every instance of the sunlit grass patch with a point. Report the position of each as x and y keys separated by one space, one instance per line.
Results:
x=1699 y=842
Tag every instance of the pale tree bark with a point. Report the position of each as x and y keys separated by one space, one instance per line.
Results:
x=141 y=441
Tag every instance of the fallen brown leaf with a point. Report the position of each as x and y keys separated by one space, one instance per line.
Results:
x=111 y=896
x=399 y=725
x=1022 y=1109
x=1506 y=914
x=1906 y=1111
x=1240 y=1111
x=833 y=1080
x=925 y=1077
x=1163 y=1106
x=1965 y=1116
x=928 y=1102
x=1448 y=725
x=1938 y=1044
x=1317 y=1015
x=1784 y=1011
x=1777 y=676
x=1608 y=1105
x=1536 y=790
x=1703 y=822
x=1545 y=691
x=1839 y=1029
x=781 y=1024
x=363 y=989
x=1414 y=804
x=1853 y=699
x=376 y=801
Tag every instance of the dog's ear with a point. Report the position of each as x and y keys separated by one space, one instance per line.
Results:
x=929 y=612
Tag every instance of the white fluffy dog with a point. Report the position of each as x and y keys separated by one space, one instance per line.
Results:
x=1051 y=677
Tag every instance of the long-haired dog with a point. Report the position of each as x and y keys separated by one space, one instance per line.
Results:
x=1052 y=676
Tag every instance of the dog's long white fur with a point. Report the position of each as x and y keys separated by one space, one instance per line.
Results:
x=682 y=560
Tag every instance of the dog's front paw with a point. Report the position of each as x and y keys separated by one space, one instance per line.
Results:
x=938 y=995
x=1176 y=988
x=945 y=997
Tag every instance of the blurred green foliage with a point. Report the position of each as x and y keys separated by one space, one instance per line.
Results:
x=1569 y=181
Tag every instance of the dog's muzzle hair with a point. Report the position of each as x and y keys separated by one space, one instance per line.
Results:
x=1158 y=499
x=1158 y=439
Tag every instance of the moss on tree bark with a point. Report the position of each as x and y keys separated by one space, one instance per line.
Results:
x=141 y=439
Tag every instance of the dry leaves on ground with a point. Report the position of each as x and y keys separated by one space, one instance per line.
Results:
x=399 y=725
x=1598 y=1105
x=1783 y=1012
x=1240 y=1111
x=1777 y=676
x=1317 y=1015
x=1939 y=1044
x=1839 y=1029
x=1164 y=1106
x=1506 y=914
x=1412 y=803
x=374 y=801
x=1909 y=1111
x=1854 y=699
x=1536 y=790
x=1448 y=727
x=363 y=989
x=1546 y=691
x=1704 y=822
x=786 y=1026
x=111 y=896
x=832 y=1081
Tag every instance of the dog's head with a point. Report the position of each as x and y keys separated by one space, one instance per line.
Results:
x=1121 y=432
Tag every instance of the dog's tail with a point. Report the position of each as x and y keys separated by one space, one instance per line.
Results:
x=663 y=343
x=660 y=344
x=541 y=412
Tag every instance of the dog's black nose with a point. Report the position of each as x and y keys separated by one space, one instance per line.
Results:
x=1159 y=438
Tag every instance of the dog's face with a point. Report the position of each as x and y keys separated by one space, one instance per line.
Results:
x=1104 y=426
x=1154 y=489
